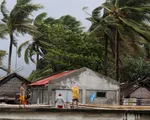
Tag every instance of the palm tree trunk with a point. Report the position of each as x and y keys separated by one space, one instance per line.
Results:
x=117 y=55
x=10 y=53
x=106 y=53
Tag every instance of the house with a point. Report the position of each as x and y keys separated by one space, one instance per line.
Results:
x=39 y=89
x=10 y=86
x=90 y=82
x=136 y=93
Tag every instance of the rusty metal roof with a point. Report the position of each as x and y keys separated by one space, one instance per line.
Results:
x=48 y=79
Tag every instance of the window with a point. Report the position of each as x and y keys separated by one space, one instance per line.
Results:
x=101 y=94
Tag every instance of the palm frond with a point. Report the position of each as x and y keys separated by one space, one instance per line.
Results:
x=137 y=2
x=108 y=6
x=96 y=13
x=137 y=27
x=26 y=55
x=117 y=4
x=15 y=42
x=3 y=30
x=46 y=44
x=40 y=18
x=48 y=20
x=22 y=2
x=4 y=10
x=27 y=28
x=85 y=10
x=32 y=52
x=22 y=12
x=23 y=45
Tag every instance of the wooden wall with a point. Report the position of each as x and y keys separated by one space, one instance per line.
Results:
x=10 y=88
x=141 y=93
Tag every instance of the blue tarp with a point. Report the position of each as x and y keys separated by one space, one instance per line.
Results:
x=92 y=97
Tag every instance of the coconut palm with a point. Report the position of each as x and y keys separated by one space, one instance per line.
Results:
x=71 y=23
x=124 y=23
x=18 y=21
x=34 y=46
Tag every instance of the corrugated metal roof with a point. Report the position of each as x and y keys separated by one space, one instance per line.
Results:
x=46 y=80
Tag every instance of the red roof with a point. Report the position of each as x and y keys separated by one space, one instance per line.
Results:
x=46 y=80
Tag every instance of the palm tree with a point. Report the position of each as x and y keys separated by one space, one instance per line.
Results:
x=38 y=43
x=34 y=46
x=124 y=23
x=71 y=23
x=18 y=21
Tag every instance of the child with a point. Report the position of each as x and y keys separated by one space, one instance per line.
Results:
x=22 y=95
x=59 y=101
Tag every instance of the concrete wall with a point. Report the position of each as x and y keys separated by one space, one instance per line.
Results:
x=89 y=82
x=39 y=95
x=88 y=79
x=71 y=115
x=109 y=99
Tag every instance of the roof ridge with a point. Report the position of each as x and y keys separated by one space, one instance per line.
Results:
x=47 y=79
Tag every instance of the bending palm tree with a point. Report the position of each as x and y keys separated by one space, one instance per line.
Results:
x=34 y=46
x=124 y=19
x=18 y=21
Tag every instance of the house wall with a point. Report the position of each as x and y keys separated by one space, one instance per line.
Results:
x=39 y=95
x=10 y=88
x=110 y=97
x=88 y=81
x=141 y=93
x=142 y=96
x=66 y=94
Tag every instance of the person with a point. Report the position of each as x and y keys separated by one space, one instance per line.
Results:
x=59 y=101
x=22 y=95
x=75 y=95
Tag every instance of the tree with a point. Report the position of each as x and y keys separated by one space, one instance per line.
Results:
x=18 y=21
x=124 y=23
x=47 y=38
x=134 y=69
x=68 y=50
x=34 y=46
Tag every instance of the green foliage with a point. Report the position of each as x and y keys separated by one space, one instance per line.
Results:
x=17 y=20
x=134 y=68
x=76 y=52
x=2 y=55
x=40 y=73
x=123 y=16
x=125 y=23
x=68 y=49
x=33 y=47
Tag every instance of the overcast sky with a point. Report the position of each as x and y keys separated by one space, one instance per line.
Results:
x=55 y=9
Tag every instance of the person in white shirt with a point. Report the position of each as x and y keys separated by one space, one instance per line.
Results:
x=60 y=101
